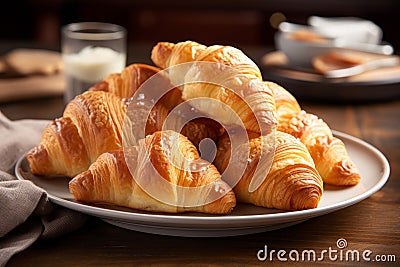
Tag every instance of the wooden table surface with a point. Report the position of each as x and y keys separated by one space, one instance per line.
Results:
x=372 y=224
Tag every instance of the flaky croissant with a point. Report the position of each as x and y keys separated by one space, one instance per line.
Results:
x=292 y=182
x=91 y=125
x=166 y=155
x=127 y=83
x=328 y=152
x=231 y=89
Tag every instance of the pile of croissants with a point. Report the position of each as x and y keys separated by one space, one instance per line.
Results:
x=86 y=143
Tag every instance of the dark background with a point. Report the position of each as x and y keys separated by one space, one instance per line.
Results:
x=209 y=21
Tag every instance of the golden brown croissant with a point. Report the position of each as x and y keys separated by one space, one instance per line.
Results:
x=328 y=152
x=170 y=155
x=61 y=150
x=292 y=182
x=91 y=125
x=231 y=89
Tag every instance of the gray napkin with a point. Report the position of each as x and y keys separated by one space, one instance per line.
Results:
x=26 y=214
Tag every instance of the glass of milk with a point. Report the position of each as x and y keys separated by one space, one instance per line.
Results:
x=91 y=51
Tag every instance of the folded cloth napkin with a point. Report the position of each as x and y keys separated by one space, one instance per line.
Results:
x=26 y=213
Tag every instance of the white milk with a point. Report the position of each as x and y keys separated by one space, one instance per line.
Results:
x=90 y=65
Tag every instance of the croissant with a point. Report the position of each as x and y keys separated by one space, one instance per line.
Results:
x=91 y=124
x=171 y=157
x=61 y=150
x=231 y=90
x=328 y=152
x=292 y=182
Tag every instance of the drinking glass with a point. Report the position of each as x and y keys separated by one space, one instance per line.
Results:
x=91 y=51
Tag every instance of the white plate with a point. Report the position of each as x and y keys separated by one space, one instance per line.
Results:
x=245 y=219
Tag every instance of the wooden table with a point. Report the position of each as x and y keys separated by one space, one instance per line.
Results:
x=372 y=224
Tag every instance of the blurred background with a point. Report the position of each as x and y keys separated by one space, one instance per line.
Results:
x=238 y=23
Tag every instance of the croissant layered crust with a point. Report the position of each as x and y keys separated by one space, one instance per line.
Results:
x=61 y=151
x=234 y=82
x=291 y=183
x=91 y=125
x=328 y=152
x=127 y=83
x=109 y=179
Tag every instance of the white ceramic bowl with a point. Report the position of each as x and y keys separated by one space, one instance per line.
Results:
x=300 y=53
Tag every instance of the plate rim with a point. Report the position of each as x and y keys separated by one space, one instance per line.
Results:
x=213 y=221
